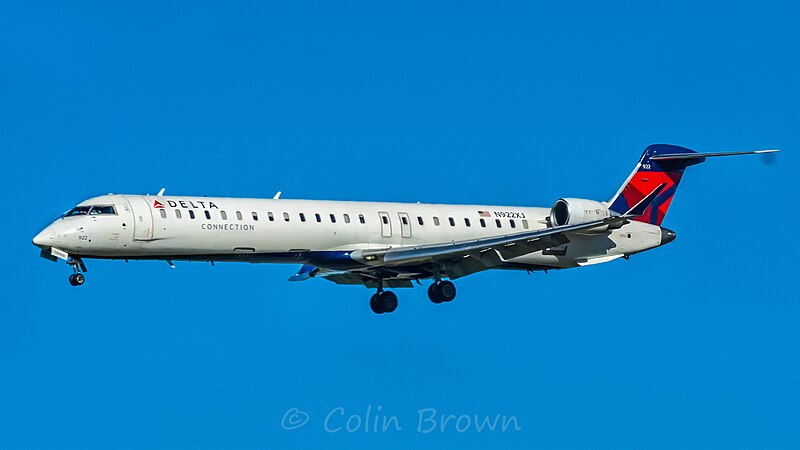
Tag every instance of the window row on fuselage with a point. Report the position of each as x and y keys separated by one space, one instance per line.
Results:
x=332 y=218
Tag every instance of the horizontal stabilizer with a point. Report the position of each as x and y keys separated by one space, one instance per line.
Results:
x=677 y=156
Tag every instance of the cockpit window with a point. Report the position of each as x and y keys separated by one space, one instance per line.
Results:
x=102 y=209
x=78 y=211
x=90 y=210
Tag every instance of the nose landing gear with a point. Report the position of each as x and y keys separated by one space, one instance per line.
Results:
x=77 y=278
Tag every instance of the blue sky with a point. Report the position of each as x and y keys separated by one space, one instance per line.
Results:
x=690 y=345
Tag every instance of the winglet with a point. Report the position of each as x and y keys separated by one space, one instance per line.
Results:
x=277 y=195
x=305 y=272
x=161 y=192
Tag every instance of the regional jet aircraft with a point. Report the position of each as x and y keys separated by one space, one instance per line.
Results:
x=377 y=245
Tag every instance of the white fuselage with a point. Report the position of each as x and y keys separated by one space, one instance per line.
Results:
x=268 y=230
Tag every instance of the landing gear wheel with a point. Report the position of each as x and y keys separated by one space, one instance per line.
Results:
x=375 y=304
x=76 y=279
x=446 y=291
x=388 y=301
x=433 y=295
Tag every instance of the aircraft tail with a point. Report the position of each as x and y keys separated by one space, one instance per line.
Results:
x=658 y=173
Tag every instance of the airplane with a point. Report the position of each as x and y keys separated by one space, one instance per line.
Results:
x=378 y=245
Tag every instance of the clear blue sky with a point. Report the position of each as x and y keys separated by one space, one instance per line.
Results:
x=690 y=345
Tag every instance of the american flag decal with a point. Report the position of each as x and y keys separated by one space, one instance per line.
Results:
x=484 y=214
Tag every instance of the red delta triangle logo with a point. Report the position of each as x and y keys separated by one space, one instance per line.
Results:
x=157 y=204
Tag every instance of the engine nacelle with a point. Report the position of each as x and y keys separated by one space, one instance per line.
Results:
x=572 y=211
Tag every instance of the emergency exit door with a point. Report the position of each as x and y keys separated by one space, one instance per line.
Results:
x=405 y=224
x=386 y=224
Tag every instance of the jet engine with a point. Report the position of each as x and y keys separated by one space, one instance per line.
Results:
x=572 y=211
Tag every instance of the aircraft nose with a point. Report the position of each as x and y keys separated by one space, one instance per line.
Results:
x=44 y=238
x=667 y=236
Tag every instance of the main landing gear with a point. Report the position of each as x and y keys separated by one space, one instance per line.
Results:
x=77 y=278
x=442 y=291
x=385 y=301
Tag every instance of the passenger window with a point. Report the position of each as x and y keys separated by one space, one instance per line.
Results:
x=178 y=213
x=271 y=216
x=419 y=219
x=318 y=217
x=208 y=215
x=238 y=215
x=286 y=216
x=405 y=220
x=436 y=221
x=346 y=218
x=224 y=215
x=466 y=222
x=333 y=218
x=191 y=214
x=361 y=218
x=483 y=223
x=452 y=222
x=385 y=220
x=513 y=224
x=302 y=217
x=499 y=225
x=525 y=224
x=163 y=213
x=255 y=216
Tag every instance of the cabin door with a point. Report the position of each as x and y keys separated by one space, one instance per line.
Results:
x=142 y=217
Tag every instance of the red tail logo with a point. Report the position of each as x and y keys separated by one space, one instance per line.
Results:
x=157 y=204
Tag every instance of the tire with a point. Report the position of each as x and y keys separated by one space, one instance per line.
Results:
x=375 y=304
x=433 y=293
x=446 y=291
x=388 y=301
x=72 y=280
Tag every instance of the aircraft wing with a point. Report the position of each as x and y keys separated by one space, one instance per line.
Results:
x=462 y=258
x=397 y=267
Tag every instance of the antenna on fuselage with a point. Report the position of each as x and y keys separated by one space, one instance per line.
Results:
x=161 y=192
x=277 y=195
